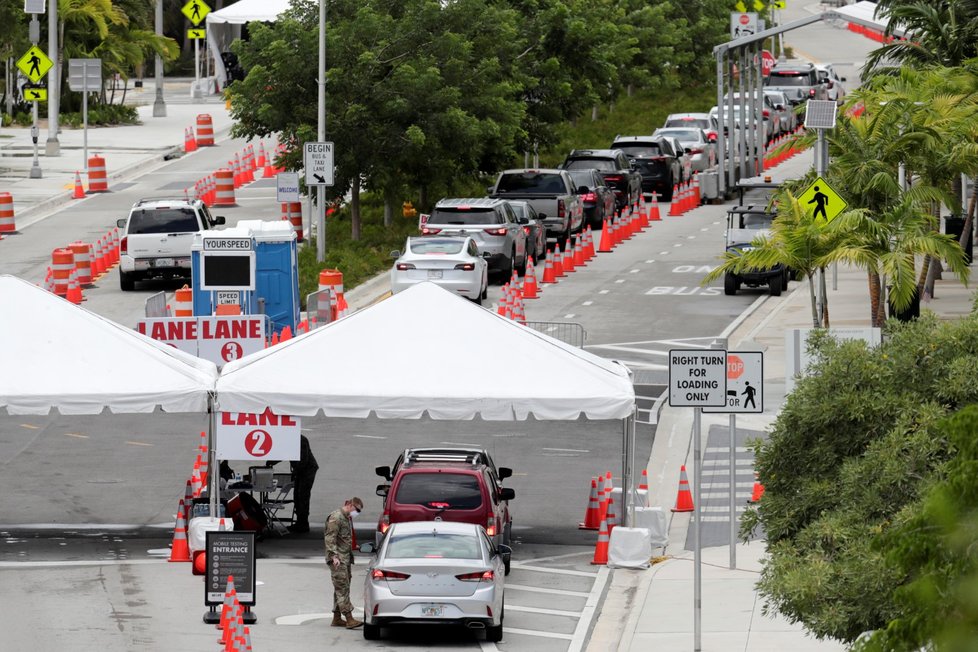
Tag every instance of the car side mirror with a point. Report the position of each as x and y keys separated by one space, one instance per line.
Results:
x=384 y=472
x=218 y=220
x=842 y=78
x=507 y=494
x=395 y=254
x=382 y=490
x=542 y=216
x=490 y=189
x=505 y=472
x=367 y=548
x=505 y=552
x=523 y=220
x=486 y=254
x=779 y=107
x=121 y=223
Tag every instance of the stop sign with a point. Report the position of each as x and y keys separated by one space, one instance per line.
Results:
x=735 y=367
x=744 y=19
x=767 y=62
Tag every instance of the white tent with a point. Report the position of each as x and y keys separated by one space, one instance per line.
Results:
x=58 y=355
x=427 y=350
x=224 y=25
x=864 y=13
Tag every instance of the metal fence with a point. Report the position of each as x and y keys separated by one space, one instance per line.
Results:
x=155 y=306
x=318 y=308
x=566 y=331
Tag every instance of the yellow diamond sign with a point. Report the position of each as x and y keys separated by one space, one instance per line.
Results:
x=35 y=94
x=825 y=202
x=196 y=11
x=35 y=64
x=740 y=6
x=196 y=33
x=758 y=5
x=779 y=4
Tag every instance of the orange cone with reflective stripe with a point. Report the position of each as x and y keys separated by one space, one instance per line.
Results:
x=758 y=489
x=503 y=301
x=549 y=275
x=604 y=246
x=611 y=517
x=79 y=192
x=530 y=280
x=643 y=488
x=654 y=208
x=579 y=251
x=592 y=516
x=180 y=549
x=195 y=482
x=589 y=244
x=601 y=549
x=558 y=262
x=568 y=260
x=684 y=499
x=674 y=206
x=229 y=596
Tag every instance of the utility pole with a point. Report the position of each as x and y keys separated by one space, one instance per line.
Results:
x=159 y=106
x=53 y=147
x=321 y=135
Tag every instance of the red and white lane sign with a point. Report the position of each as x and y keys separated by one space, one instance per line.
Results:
x=219 y=339
x=259 y=437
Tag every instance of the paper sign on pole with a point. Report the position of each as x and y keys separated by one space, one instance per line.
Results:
x=287 y=187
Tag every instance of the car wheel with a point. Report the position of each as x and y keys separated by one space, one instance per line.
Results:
x=521 y=268
x=494 y=634
x=371 y=632
x=508 y=534
x=667 y=194
x=477 y=300
x=774 y=285
x=127 y=281
x=730 y=284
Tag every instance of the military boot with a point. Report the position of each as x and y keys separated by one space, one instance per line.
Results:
x=351 y=622
x=337 y=620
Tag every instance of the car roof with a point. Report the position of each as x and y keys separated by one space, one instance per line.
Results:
x=594 y=153
x=429 y=238
x=533 y=170
x=797 y=66
x=471 y=202
x=470 y=458
x=447 y=527
x=166 y=202
x=636 y=139
x=691 y=116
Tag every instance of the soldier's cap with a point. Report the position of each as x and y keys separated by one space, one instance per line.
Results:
x=356 y=502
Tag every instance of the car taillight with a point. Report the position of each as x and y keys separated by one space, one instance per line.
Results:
x=589 y=196
x=402 y=267
x=500 y=231
x=124 y=245
x=390 y=576
x=491 y=526
x=612 y=177
x=696 y=151
x=766 y=113
x=811 y=92
x=480 y=576
x=465 y=267
x=385 y=523
x=429 y=231
x=711 y=134
x=561 y=209
x=526 y=230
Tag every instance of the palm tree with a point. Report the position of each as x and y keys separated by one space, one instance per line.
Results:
x=937 y=32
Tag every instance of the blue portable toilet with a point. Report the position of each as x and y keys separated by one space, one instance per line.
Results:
x=276 y=273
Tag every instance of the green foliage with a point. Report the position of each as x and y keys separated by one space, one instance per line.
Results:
x=103 y=115
x=849 y=457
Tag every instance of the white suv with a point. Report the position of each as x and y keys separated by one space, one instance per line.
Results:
x=157 y=237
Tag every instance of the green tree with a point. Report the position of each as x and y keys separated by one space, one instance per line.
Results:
x=942 y=32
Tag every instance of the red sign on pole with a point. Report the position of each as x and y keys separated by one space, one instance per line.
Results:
x=767 y=62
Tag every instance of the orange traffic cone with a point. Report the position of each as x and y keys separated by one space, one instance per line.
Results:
x=757 y=491
x=589 y=244
x=261 y=155
x=519 y=315
x=592 y=516
x=180 y=549
x=275 y=339
x=195 y=482
x=558 y=262
x=229 y=595
x=684 y=499
x=549 y=274
x=269 y=170
x=601 y=549
x=605 y=245
x=579 y=251
x=697 y=200
x=79 y=191
x=643 y=488
x=74 y=294
x=568 y=260
x=674 y=204
x=189 y=142
x=286 y=334
x=530 y=280
x=610 y=517
x=504 y=302
x=230 y=627
x=654 y=208
x=202 y=447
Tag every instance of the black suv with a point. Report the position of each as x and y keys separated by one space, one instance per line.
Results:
x=451 y=484
x=615 y=167
x=659 y=165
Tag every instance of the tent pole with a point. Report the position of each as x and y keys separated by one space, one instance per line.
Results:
x=628 y=453
x=213 y=470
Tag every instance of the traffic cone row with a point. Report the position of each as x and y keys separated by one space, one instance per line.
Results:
x=103 y=255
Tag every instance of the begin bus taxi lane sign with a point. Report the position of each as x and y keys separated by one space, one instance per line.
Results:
x=697 y=378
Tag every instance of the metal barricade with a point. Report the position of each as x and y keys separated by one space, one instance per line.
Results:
x=318 y=310
x=568 y=332
x=156 y=306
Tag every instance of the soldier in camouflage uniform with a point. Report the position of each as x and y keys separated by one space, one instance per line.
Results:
x=340 y=541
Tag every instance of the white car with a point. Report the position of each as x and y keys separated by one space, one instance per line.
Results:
x=436 y=572
x=833 y=83
x=701 y=150
x=452 y=262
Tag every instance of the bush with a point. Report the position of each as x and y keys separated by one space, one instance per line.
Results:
x=103 y=115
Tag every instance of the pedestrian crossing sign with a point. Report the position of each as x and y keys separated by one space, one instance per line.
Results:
x=196 y=11
x=34 y=64
x=740 y=6
x=825 y=203
x=779 y=4
x=195 y=33
x=35 y=94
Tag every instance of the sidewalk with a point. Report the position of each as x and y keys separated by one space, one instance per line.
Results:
x=653 y=609
x=127 y=150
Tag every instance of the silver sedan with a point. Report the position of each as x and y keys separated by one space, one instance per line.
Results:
x=702 y=151
x=436 y=572
x=452 y=262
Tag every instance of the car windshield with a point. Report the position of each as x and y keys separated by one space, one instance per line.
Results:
x=640 y=149
x=688 y=122
x=682 y=134
x=520 y=209
x=755 y=221
x=163 y=220
x=583 y=178
x=788 y=79
x=439 y=490
x=464 y=215
x=433 y=545
x=603 y=165
x=436 y=246
x=531 y=182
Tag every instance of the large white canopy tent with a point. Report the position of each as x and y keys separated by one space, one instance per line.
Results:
x=63 y=357
x=224 y=25
x=429 y=351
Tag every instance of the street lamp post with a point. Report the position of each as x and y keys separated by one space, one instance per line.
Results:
x=159 y=106
x=52 y=147
x=321 y=135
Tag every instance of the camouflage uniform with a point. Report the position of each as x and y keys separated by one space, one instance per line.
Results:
x=339 y=543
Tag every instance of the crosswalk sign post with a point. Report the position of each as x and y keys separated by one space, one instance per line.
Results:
x=34 y=64
x=196 y=11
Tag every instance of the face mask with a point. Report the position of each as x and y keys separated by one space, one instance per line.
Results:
x=355 y=513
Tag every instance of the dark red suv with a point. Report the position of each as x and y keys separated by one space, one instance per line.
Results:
x=447 y=484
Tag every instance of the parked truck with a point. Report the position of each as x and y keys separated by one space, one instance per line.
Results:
x=551 y=194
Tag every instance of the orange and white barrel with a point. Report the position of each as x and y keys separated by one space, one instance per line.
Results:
x=292 y=213
x=83 y=261
x=62 y=264
x=7 y=224
x=224 y=195
x=183 y=302
x=97 y=181
x=333 y=278
x=205 y=130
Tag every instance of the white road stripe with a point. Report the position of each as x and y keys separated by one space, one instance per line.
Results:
x=555 y=571
x=567 y=450
x=533 y=632
x=554 y=557
x=538 y=589
x=584 y=623
x=369 y=437
x=546 y=612
x=587 y=303
x=603 y=291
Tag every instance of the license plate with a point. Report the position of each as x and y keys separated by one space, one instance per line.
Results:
x=163 y=262
x=434 y=273
x=433 y=610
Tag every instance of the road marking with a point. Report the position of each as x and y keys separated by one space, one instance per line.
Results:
x=663 y=253
x=706 y=228
x=603 y=291
x=690 y=237
x=650 y=261
x=587 y=303
x=678 y=244
x=717 y=222
x=547 y=612
x=556 y=571
x=570 y=316
x=75 y=435
x=139 y=443
x=370 y=437
x=634 y=271
x=584 y=623
x=30 y=426
x=533 y=632
x=302 y=619
x=567 y=450
x=538 y=589
x=620 y=280
x=561 y=455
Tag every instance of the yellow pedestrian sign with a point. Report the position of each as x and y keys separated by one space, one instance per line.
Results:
x=196 y=11
x=758 y=5
x=823 y=200
x=779 y=4
x=740 y=6
x=195 y=33
x=35 y=94
x=35 y=64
